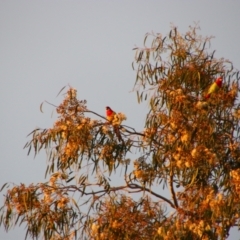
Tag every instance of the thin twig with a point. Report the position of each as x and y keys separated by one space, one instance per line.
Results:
x=172 y=189
x=95 y=114
x=136 y=186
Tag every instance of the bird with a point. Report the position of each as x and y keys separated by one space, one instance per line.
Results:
x=111 y=115
x=214 y=87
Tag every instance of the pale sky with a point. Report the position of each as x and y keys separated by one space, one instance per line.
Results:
x=47 y=44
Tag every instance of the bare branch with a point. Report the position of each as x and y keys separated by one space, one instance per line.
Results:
x=96 y=114
x=172 y=189
x=136 y=186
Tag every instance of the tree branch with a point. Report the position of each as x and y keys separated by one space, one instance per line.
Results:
x=172 y=189
x=136 y=186
x=113 y=189
x=96 y=114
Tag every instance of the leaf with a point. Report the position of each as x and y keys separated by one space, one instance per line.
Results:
x=138 y=97
x=194 y=177
x=3 y=186
x=33 y=131
x=41 y=107
x=141 y=95
x=140 y=56
x=237 y=76
x=83 y=190
x=52 y=113
x=213 y=54
x=145 y=39
x=26 y=235
x=199 y=77
x=175 y=30
x=201 y=51
x=60 y=91
x=75 y=204
x=46 y=172
x=52 y=168
x=69 y=180
x=82 y=179
x=133 y=65
x=164 y=39
x=29 y=150
x=27 y=144
x=17 y=219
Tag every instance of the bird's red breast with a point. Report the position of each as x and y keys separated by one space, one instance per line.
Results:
x=219 y=82
x=109 y=111
x=109 y=114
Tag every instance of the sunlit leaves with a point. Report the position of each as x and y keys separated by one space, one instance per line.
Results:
x=187 y=134
x=122 y=218
x=45 y=208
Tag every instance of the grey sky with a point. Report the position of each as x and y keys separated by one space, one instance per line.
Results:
x=47 y=44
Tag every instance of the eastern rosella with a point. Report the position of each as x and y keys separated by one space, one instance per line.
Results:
x=110 y=115
x=214 y=87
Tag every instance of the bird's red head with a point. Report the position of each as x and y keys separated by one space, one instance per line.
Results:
x=108 y=108
x=219 y=81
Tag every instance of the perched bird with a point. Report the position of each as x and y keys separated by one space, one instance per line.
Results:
x=214 y=87
x=110 y=115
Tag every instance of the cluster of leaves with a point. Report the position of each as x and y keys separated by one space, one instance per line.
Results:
x=122 y=218
x=42 y=206
x=190 y=144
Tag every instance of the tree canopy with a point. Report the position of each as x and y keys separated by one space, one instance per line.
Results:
x=190 y=147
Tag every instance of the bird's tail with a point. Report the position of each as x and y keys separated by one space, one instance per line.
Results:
x=117 y=132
